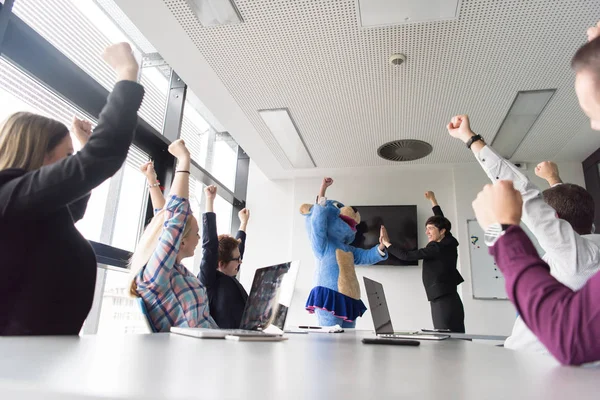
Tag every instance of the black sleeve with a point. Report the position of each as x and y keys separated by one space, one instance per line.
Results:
x=58 y=185
x=241 y=236
x=210 y=249
x=432 y=250
x=78 y=207
x=437 y=210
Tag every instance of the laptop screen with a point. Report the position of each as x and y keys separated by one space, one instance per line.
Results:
x=378 y=307
x=270 y=296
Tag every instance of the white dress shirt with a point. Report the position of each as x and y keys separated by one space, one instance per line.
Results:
x=572 y=258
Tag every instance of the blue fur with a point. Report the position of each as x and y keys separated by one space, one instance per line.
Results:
x=328 y=232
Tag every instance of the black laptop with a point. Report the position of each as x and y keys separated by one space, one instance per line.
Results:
x=381 y=316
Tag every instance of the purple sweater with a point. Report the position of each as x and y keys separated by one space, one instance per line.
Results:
x=566 y=322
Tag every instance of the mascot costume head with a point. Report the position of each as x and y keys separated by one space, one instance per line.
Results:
x=331 y=228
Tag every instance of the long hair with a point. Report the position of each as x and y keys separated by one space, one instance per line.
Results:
x=147 y=245
x=26 y=139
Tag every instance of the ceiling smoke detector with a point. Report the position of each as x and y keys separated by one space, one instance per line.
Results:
x=397 y=59
x=404 y=150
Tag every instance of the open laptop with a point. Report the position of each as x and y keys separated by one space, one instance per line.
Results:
x=381 y=315
x=266 y=308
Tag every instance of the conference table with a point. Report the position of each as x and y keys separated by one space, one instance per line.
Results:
x=307 y=366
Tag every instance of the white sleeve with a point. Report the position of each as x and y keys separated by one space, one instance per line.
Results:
x=555 y=236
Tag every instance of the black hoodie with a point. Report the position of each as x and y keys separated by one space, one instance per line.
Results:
x=440 y=276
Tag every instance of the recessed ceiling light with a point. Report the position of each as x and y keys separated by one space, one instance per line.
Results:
x=215 y=12
x=286 y=134
x=524 y=111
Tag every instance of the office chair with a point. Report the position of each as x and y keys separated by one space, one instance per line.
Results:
x=144 y=311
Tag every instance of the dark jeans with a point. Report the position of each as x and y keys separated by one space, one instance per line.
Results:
x=447 y=312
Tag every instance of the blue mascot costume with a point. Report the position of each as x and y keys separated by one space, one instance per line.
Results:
x=331 y=228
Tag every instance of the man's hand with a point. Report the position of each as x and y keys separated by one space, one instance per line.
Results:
x=148 y=170
x=120 y=57
x=244 y=216
x=384 y=239
x=460 y=128
x=549 y=171
x=210 y=192
x=178 y=149
x=82 y=130
x=324 y=185
x=498 y=203
x=593 y=32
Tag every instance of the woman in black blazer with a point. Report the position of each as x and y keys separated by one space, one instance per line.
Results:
x=48 y=270
x=220 y=265
x=440 y=276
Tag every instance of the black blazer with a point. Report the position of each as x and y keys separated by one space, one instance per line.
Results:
x=48 y=270
x=226 y=295
x=440 y=276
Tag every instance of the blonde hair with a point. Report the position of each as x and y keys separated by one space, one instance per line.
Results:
x=147 y=245
x=26 y=139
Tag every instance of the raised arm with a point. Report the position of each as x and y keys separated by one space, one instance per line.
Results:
x=437 y=210
x=556 y=236
x=177 y=211
x=318 y=219
x=244 y=216
x=156 y=196
x=548 y=171
x=566 y=322
x=210 y=240
x=57 y=185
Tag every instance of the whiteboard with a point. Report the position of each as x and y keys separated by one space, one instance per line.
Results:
x=487 y=282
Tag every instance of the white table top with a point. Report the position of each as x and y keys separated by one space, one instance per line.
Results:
x=313 y=366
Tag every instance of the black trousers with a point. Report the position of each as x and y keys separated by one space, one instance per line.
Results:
x=448 y=312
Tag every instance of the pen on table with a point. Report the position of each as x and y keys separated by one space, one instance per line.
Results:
x=309 y=327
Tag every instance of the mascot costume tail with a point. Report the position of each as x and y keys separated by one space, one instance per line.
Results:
x=331 y=228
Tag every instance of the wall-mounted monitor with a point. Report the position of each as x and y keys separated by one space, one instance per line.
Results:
x=400 y=222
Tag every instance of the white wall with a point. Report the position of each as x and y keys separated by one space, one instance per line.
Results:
x=269 y=230
x=277 y=233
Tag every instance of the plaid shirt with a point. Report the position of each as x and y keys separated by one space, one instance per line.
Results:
x=172 y=294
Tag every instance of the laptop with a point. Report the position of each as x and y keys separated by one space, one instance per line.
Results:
x=266 y=308
x=381 y=316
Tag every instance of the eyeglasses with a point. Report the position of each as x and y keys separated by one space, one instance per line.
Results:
x=238 y=259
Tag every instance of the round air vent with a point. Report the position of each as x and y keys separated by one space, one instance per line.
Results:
x=404 y=150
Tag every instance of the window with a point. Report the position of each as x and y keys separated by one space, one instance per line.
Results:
x=119 y=312
x=132 y=201
x=90 y=29
x=214 y=151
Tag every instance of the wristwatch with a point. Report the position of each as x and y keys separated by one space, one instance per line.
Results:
x=473 y=140
x=493 y=233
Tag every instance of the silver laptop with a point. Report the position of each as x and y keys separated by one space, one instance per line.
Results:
x=266 y=308
x=381 y=315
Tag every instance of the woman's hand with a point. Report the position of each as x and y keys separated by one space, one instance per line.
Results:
x=82 y=130
x=120 y=57
x=178 y=150
x=148 y=170
x=244 y=216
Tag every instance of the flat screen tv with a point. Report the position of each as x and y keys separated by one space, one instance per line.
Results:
x=400 y=222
